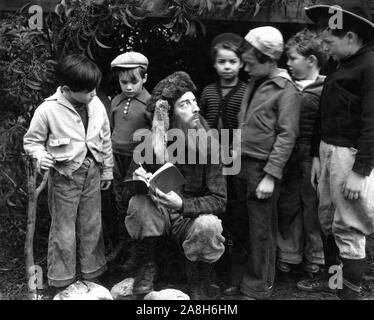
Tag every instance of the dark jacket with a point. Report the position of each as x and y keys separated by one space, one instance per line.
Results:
x=269 y=122
x=204 y=191
x=309 y=105
x=346 y=116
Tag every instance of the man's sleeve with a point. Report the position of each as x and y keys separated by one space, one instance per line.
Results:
x=203 y=103
x=364 y=162
x=214 y=199
x=107 y=167
x=287 y=128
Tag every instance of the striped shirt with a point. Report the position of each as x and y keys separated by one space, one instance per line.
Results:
x=213 y=105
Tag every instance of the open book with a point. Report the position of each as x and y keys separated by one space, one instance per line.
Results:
x=167 y=178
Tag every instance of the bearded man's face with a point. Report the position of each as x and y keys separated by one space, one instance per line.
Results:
x=186 y=112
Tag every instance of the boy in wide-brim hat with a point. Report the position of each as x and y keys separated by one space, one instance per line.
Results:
x=343 y=144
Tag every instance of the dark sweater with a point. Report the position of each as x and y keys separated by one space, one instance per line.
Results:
x=124 y=125
x=346 y=114
x=212 y=105
x=309 y=105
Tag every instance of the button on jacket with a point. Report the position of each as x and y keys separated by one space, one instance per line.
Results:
x=57 y=128
x=269 y=123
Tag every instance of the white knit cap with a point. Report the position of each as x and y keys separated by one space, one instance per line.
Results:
x=268 y=40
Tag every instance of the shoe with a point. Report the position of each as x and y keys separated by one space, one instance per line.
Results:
x=315 y=285
x=198 y=275
x=283 y=266
x=144 y=280
x=311 y=267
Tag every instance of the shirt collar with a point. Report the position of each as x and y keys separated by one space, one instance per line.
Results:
x=142 y=97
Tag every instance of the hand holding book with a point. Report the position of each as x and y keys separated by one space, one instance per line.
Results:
x=167 y=178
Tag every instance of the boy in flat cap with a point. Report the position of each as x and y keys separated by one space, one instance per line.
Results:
x=189 y=215
x=343 y=145
x=220 y=104
x=128 y=114
x=69 y=134
x=269 y=123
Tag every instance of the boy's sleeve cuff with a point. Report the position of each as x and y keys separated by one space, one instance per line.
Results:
x=363 y=169
x=273 y=170
x=106 y=175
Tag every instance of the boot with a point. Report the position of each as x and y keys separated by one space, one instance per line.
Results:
x=321 y=283
x=135 y=259
x=198 y=276
x=146 y=274
x=353 y=271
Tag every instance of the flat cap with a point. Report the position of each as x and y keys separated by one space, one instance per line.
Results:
x=130 y=59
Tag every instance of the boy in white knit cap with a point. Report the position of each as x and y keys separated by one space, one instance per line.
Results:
x=269 y=120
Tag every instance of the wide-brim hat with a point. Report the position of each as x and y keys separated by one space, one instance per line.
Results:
x=356 y=11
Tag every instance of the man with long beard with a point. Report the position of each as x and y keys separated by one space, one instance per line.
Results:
x=188 y=215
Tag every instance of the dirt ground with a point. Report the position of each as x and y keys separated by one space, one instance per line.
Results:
x=13 y=285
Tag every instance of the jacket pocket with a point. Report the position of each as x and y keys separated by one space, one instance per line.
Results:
x=60 y=148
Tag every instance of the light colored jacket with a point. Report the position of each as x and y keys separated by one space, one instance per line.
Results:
x=57 y=128
x=269 y=123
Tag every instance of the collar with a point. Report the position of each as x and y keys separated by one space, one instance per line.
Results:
x=280 y=77
x=359 y=53
x=142 y=97
x=60 y=99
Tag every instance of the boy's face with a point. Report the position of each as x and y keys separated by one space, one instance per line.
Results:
x=227 y=64
x=338 y=48
x=253 y=67
x=299 y=66
x=186 y=112
x=79 y=97
x=131 y=87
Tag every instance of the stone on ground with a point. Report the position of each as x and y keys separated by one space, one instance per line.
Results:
x=84 y=290
x=167 y=294
x=123 y=289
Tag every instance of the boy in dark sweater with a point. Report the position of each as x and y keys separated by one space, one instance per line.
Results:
x=343 y=145
x=220 y=104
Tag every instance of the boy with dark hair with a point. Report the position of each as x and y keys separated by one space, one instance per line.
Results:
x=220 y=104
x=69 y=134
x=269 y=123
x=299 y=234
x=343 y=145
x=128 y=114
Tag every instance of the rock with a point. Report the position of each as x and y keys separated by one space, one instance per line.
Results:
x=84 y=290
x=167 y=294
x=122 y=289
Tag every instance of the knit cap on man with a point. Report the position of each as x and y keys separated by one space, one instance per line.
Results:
x=267 y=40
x=130 y=60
